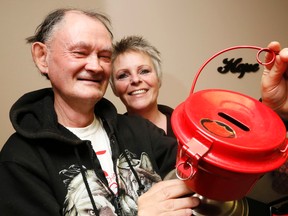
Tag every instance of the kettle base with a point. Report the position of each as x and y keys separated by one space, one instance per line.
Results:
x=221 y=208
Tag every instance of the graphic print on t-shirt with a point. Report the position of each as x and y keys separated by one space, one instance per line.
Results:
x=108 y=169
x=77 y=201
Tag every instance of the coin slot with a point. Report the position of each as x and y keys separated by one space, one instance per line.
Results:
x=234 y=121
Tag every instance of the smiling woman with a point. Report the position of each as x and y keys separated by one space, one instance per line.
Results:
x=136 y=79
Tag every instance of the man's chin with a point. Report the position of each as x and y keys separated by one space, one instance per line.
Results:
x=92 y=95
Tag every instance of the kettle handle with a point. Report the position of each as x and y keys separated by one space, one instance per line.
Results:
x=260 y=50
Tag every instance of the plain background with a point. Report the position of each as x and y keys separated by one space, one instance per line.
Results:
x=187 y=33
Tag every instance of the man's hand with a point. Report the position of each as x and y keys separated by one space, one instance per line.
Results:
x=169 y=198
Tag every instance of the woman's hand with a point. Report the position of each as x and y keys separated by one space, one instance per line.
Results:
x=274 y=83
x=169 y=198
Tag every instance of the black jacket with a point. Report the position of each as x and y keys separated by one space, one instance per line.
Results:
x=47 y=170
x=167 y=111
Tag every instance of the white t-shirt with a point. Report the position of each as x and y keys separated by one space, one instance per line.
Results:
x=96 y=133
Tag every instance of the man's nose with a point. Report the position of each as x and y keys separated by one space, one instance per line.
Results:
x=93 y=63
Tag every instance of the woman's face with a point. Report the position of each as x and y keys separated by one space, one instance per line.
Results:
x=135 y=81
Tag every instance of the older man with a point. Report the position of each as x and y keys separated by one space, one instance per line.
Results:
x=72 y=154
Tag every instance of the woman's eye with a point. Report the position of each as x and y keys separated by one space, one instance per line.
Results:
x=122 y=76
x=144 y=71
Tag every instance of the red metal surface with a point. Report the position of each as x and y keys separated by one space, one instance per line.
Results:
x=227 y=141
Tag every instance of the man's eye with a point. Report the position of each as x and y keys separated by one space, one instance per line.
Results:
x=79 y=53
x=105 y=58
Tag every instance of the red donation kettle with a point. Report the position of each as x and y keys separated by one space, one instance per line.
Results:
x=226 y=141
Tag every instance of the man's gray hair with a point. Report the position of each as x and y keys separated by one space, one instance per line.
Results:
x=45 y=29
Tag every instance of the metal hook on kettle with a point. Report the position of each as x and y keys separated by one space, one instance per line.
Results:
x=178 y=172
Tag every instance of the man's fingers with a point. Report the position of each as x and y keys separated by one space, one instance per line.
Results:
x=168 y=189
x=175 y=207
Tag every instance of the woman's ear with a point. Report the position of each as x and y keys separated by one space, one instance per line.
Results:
x=159 y=83
x=113 y=89
x=39 y=54
x=112 y=85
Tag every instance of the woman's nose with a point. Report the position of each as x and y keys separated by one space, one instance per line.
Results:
x=135 y=78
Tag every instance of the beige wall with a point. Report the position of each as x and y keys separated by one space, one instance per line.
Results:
x=187 y=32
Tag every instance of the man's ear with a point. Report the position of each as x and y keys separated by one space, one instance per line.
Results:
x=39 y=54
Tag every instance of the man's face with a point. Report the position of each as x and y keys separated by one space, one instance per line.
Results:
x=79 y=59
